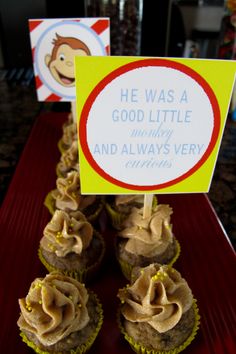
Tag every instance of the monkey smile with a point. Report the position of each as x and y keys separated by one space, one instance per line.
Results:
x=65 y=79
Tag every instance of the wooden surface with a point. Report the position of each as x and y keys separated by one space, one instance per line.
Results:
x=207 y=260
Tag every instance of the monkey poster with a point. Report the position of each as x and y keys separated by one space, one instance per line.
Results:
x=55 y=43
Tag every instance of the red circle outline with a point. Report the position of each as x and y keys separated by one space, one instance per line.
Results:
x=124 y=69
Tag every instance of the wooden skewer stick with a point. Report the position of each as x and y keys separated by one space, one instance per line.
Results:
x=147 y=209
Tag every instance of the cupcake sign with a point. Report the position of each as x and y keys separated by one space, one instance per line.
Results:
x=55 y=43
x=151 y=124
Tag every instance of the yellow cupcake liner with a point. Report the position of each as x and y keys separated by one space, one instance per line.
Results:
x=176 y=256
x=49 y=202
x=141 y=349
x=82 y=275
x=127 y=268
x=82 y=348
x=115 y=217
x=118 y=218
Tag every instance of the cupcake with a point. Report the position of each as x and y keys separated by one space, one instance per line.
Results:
x=71 y=245
x=68 y=121
x=143 y=241
x=69 y=161
x=59 y=315
x=67 y=197
x=69 y=135
x=158 y=313
x=120 y=206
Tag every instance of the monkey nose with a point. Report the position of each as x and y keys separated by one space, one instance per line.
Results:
x=69 y=63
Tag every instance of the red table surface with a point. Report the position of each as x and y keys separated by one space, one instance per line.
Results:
x=207 y=260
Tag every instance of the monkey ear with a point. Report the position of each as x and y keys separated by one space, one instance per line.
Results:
x=47 y=59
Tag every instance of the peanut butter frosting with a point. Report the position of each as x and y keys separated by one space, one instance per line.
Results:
x=69 y=159
x=148 y=236
x=68 y=121
x=126 y=200
x=69 y=134
x=67 y=233
x=67 y=195
x=54 y=308
x=159 y=297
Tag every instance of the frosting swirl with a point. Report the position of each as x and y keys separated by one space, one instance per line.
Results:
x=68 y=121
x=67 y=195
x=150 y=236
x=159 y=297
x=69 y=134
x=67 y=233
x=69 y=159
x=54 y=308
x=125 y=203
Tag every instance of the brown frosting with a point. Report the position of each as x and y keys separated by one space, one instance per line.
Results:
x=129 y=198
x=159 y=297
x=150 y=236
x=67 y=233
x=54 y=308
x=70 y=118
x=69 y=159
x=67 y=195
x=124 y=203
x=69 y=134
x=68 y=121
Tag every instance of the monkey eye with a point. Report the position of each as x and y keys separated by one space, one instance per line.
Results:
x=62 y=57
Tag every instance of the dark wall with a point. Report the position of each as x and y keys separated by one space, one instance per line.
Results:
x=14 y=35
x=14 y=32
x=58 y=9
x=163 y=32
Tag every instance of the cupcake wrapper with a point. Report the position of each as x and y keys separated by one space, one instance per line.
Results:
x=141 y=349
x=82 y=275
x=117 y=218
x=178 y=250
x=126 y=268
x=49 y=202
x=84 y=347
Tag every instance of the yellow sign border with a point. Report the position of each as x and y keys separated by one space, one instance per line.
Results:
x=91 y=70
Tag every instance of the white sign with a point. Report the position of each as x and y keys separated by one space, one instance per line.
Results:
x=157 y=124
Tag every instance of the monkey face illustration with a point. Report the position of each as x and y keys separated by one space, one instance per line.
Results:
x=61 y=61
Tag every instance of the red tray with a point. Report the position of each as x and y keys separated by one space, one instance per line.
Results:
x=207 y=259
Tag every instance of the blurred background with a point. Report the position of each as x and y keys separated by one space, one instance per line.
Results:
x=187 y=28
